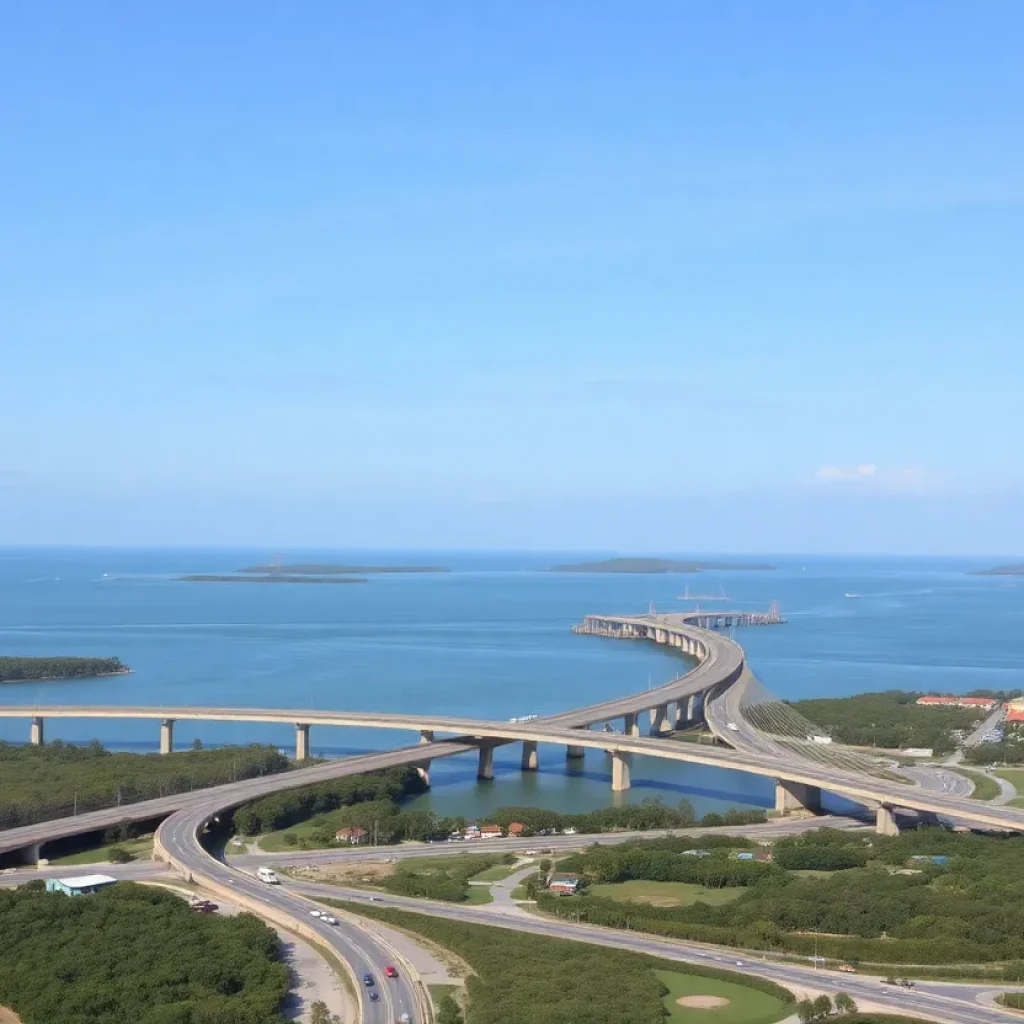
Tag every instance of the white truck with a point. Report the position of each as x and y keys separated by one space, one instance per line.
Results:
x=268 y=876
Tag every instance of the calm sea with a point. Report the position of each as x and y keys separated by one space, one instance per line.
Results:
x=489 y=639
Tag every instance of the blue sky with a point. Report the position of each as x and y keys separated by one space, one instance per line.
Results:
x=732 y=276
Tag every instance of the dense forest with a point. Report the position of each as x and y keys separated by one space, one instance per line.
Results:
x=383 y=817
x=58 y=779
x=136 y=954
x=874 y=905
x=520 y=978
x=18 y=670
x=382 y=788
x=891 y=720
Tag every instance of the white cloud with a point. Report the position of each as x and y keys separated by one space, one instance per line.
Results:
x=869 y=477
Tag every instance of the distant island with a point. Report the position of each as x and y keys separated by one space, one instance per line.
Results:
x=270 y=578
x=24 y=670
x=1001 y=570
x=657 y=565
x=327 y=569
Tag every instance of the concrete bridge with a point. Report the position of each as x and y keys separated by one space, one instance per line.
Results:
x=713 y=689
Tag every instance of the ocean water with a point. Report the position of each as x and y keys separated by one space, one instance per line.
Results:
x=489 y=639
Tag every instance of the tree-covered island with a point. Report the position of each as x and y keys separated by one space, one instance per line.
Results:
x=20 y=670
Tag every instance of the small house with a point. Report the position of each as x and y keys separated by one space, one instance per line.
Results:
x=516 y=828
x=351 y=834
x=490 y=832
x=80 y=885
x=564 y=885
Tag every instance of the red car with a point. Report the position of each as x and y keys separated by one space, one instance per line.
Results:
x=390 y=971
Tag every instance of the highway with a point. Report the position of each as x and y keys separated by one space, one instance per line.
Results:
x=177 y=842
x=951 y=1003
x=719 y=674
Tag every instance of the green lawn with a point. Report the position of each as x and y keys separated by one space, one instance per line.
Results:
x=140 y=849
x=666 y=894
x=1014 y=776
x=477 y=895
x=745 y=1006
x=984 y=787
x=233 y=851
x=496 y=874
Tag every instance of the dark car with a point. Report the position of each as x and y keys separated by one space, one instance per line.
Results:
x=368 y=980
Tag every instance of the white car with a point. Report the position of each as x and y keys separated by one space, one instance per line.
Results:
x=328 y=918
x=733 y=726
x=315 y=913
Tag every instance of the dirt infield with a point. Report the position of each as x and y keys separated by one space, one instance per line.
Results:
x=702 y=1002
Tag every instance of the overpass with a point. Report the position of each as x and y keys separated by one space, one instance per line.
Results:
x=714 y=689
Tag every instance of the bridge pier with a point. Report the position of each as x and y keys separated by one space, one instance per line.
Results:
x=620 y=772
x=35 y=734
x=529 y=755
x=659 y=720
x=794 y=797
x=885 y=821
x=575 y=753
x=166 y=735
x=301 y=741
x=423 y=768
x=485 y=766
x=631 y=725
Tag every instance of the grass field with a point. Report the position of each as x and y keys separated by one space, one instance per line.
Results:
x=745 y=1005
x=495 y=874
x=984 y=787
x=140 y=849
x=665 y=894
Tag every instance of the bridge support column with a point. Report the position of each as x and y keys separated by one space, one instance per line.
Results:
x=485 y=767
x=620 y=772
x=166 y=735
x=575 y=753
x=632 y=726
x=659 y=720
x=35 y=734
x=885 y=821
x=795 y=797
x=301 y=741
x=529 y=755
x=423 y=768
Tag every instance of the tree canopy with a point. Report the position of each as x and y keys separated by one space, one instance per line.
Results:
x=135 y=954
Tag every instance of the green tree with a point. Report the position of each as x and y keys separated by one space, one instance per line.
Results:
x=845 y=1003
x=448 y=1011
x=319 y=1013
x=806 y=1012
x=822 y=1007
x=119 y=855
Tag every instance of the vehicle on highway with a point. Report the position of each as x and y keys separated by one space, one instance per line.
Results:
x=368 y=980
x=329 y=918
x=733 y=726
x=848 y=969
x=315 y=913
x=268 y=875
x=405 y=1019
x=374 y=996
x=390 y=971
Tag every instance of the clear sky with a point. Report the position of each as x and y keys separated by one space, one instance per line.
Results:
x=637 y=276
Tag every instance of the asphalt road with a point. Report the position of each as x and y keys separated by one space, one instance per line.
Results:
x=360 y=950
x=146 y=870
x=952 y=1003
